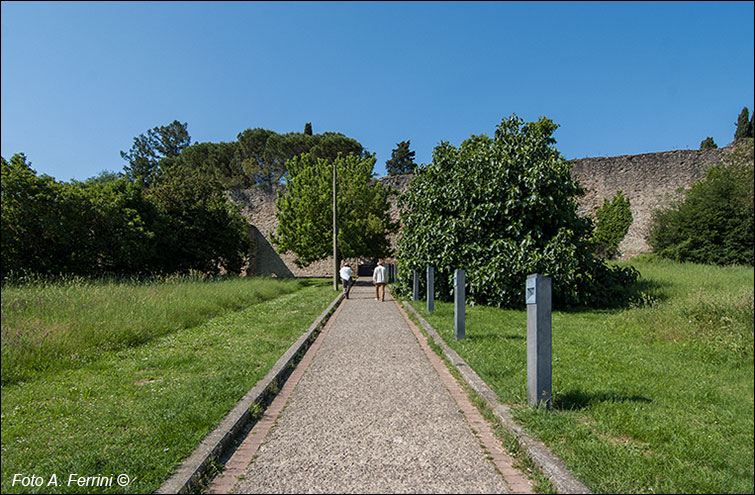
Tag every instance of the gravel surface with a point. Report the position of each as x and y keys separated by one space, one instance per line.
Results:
x=370 y=415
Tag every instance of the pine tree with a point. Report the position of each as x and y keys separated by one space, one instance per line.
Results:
x=708 y=144
x=308 y=128
x=402 y=160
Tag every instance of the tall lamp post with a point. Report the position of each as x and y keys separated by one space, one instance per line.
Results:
x=335 y=232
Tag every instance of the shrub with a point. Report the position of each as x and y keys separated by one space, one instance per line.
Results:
x=613 y=219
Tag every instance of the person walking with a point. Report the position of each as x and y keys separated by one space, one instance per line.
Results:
x=378 y=277
x=346 y=278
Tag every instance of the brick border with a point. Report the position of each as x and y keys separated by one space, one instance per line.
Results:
x=243 y=455
x=220 y=442
x=516 y=481
x=552 y=466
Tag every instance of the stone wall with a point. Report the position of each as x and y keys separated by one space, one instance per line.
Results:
x=648 y=180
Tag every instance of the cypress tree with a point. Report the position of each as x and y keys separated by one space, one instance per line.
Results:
x=744 y=126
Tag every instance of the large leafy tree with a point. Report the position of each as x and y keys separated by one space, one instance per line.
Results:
x=502 y=208
x=149 y=149
x=401 y=161
x=305 y=209
x=713 y=221
x=197 y=228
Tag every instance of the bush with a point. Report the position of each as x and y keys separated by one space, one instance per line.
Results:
x=612 y=223
x=713 y=222
x=502 y=208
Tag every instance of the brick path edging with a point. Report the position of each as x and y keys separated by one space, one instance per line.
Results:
x=218 y=442
x=553 y=467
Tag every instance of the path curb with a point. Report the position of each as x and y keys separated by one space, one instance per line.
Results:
x=219 y=442
x=552 y=466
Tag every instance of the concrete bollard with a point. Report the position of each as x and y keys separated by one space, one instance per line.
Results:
x=430 y=289
x=539 y=369
x=459 y=309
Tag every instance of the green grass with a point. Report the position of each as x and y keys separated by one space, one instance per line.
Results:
x=140 y=407
x=655 y=398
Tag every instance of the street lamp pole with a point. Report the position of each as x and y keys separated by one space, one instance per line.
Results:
x=335 y=232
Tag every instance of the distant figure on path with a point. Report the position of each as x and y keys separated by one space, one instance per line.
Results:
x=346 y=278
x=378 y=277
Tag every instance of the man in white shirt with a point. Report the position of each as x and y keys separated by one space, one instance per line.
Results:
x=378 y=277
x=346 y=278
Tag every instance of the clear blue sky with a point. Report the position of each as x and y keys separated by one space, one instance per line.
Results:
x=81 y=80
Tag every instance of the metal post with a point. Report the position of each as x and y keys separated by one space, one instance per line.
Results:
x=459 y=309
x=335 y=232
x=430 y=289
x=415 y=293
x=538 y=297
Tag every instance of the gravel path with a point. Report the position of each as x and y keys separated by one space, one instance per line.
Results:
x=370 y=415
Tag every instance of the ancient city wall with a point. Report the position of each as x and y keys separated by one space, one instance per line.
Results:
x=648 y=180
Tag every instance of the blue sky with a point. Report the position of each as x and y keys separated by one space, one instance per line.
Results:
x=81 y=80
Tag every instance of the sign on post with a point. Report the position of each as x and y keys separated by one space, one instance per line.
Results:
x=459 y=310
x=538 y=298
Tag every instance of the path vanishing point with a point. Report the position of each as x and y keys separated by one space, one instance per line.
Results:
x=370 y=409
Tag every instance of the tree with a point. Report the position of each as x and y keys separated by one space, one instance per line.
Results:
x=214 y=161
x=502 y=208
x=401 y=161
x=263 y=153
x=197 y=227
x=308 y=129
x=744 y=126
x=145 y=154
x=708 y=143
x=304 y=210
x=612 y=221
x=713 y=222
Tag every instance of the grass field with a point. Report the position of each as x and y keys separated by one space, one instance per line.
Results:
x=654 y=398
x=107 y=379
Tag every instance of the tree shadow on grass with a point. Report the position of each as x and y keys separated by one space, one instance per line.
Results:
x=492 y=336
x=574 y=400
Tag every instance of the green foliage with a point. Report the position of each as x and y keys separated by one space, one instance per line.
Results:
x=308 y=128
x=401 y=161
x=145 y=154
x=744 y=125
x=305 y=209
x=708 y=143
x=713 y=222
x=197 y=227
x=503 y=208
x=263 y=153
x=216 y=162
x=612 y=221
x=97 y=227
